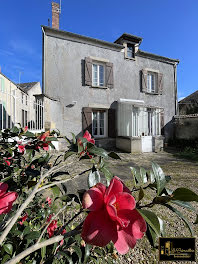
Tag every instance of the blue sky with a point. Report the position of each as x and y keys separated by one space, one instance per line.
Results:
x=168 y=28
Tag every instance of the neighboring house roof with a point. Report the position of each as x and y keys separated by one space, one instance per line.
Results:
x=26 y=86
x=12 y=82
x=192 y=98
x=104 y=44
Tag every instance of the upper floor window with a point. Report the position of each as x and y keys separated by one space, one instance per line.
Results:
x=130 y=51
x=151 y=82
x=98 y=75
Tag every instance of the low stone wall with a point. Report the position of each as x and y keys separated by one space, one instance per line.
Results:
x=186 y=127
x=134 y=144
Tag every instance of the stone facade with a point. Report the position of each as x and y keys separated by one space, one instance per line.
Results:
x=66 y=58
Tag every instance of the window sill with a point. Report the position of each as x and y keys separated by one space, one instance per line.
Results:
x=129 y=58
x=152 y=93
x=99 y=87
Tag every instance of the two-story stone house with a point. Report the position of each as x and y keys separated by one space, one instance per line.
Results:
x=116 y=91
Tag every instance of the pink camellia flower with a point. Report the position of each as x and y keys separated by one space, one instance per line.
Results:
x=21 y=148
x=49 y=218
x=113 y=217
x=43 y=137
x=6 y=199
x=23 y=219
x=87 y=135
x=51 y=228
x=7 y=161
x=62 y=233
x=25 y=128
x=49 y=200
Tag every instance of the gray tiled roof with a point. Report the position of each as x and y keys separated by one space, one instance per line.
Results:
x=26 y=86
x=192 y=98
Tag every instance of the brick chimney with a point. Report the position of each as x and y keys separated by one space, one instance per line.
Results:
x=55 y=15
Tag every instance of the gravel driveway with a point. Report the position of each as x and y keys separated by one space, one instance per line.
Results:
x=184 y=173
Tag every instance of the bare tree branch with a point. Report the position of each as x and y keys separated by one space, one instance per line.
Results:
x=27 y=201
x=45 y=243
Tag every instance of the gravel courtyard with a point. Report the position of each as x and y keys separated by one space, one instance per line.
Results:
x=184 y=173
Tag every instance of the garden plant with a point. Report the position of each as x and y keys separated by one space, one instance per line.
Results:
x=40 y=222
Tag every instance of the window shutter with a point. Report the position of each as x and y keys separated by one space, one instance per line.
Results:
x=160 y=83
x=88 y=71
x=144 y=81
x=109 y=74
x=111 y=123
x=162 y=121
x=87 y=119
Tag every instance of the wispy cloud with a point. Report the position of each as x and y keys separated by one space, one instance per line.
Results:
x=6 y=52
x=24 y=47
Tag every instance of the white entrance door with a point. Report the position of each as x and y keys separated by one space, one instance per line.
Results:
x=147 y=144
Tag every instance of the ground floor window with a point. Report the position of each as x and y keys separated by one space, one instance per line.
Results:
x=99 y=123
x=24 y=121
x=145 y=121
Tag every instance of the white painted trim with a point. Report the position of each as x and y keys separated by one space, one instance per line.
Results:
x=99 y=59
x=122 y=100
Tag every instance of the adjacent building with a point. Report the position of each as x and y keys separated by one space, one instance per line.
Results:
x=19 y=104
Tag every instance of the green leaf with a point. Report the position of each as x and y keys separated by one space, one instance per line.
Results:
x=74 y=138
x=151 y=219
x=94 y=177
x=141 y=194
x=179 y=214
x=143 y=175
x=8 y=248
x=87 y=252
x=151 y=235
x=51 y=139
x=56 y=191
x=107 y=173
x=98 y=151
x=43 y=250
x=133 y=172
x=5 y=259
x=196 y=221
x=160 y=177
x=114 y=155
x=69 y=259
x=29 y=134
x=68 y=154
x=32 y=235
x=14 y=130
x=77 y=250
x=185 y=205
x=184 y=194
x=136 y=176
x=162 y=226
x=26 y=230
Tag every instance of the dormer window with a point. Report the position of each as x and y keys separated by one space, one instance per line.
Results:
x=130 y=51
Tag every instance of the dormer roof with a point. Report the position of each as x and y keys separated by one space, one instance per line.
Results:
x=125 y=37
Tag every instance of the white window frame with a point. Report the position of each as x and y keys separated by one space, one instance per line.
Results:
x=98 y=123
x=151 y=82
x=146 y=121
x=97 y=83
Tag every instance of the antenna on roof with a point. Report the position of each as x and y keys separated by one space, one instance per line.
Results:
x=60 y=8
x=21 y=72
